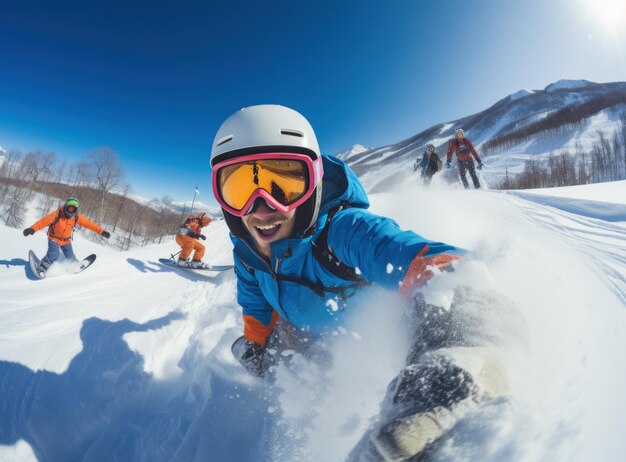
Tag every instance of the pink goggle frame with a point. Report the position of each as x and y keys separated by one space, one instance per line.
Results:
x=315 y=171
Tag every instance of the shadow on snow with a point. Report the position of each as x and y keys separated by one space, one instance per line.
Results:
x=156 y=267
x=106 y=407
x=20 y=262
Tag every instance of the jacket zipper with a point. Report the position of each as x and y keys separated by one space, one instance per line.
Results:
x=261 y=259
x=278 y=289
x=270 y=271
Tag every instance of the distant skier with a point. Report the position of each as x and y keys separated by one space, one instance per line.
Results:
x=187 y=238
x=300 y=229
x=429 y=163
x=61 y=224
x=464 y=150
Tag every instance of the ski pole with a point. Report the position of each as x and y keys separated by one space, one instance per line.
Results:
x=173 y=255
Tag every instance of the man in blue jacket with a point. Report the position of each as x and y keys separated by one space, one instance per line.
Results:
x=304 y=242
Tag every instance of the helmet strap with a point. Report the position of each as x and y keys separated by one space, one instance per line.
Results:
x=306 y=214
x=235 y=224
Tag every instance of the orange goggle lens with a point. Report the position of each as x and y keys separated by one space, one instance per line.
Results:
x=285 y=180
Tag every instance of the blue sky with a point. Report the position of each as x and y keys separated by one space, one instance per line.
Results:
x=155 y=79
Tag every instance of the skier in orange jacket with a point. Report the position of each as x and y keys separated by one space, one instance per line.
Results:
x=187 y=238
x=61 y=224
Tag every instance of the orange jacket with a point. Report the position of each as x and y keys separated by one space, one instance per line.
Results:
x=63 y=229
x=192 y=226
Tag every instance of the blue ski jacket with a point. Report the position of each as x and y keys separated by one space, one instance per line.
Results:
x=380 y=251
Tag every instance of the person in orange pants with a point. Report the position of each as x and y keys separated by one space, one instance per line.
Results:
x=61 y=224
x=187 y=238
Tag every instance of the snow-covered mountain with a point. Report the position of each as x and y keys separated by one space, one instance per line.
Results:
x=185 y=206
x=351 y=152
x=130 y=360
x=182 y=206
x=567 y=84
x=527 y=124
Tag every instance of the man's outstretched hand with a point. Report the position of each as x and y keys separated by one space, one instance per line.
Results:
x=252 y=358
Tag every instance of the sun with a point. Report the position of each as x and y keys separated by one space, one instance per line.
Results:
x=609 y=13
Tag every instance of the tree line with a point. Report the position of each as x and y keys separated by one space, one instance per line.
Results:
x=606 y=161
x=559 y=122
x=98 y=181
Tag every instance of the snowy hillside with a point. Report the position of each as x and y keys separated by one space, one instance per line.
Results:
x=565 y=84
x=131 y=360
x=498 y=132
x=351 y=152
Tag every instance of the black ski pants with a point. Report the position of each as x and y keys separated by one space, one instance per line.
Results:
x=468 y=166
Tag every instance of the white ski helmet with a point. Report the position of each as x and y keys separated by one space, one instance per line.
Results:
x=268 y=128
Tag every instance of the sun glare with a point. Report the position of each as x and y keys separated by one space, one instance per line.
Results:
x=610 y=13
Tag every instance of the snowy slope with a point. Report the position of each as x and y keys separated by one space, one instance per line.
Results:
x=612 y=193
x=130 y=360
x=384 y=167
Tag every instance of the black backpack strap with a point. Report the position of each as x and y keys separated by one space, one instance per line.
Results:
x=328 y=260
x=325 y=255
x=56 y=220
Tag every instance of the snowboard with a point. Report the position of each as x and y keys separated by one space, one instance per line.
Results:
x=170 y=262
x=34 y=264
x=238 y=348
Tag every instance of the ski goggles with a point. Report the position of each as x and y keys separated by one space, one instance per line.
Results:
x=70 y=208
x=284 y=180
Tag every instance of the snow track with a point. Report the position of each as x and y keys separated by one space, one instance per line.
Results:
x=130 y=360
x=579 y=224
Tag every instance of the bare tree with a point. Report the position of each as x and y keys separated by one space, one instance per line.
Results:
x=105 y=171
x=14 y=212
x=138 y=223
x=122 y=203
x=82 y=174
x=9 y=173
x=60 y=171
x=622 y=137
x=165 y=216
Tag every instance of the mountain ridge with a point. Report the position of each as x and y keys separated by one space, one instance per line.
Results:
x=563 y=115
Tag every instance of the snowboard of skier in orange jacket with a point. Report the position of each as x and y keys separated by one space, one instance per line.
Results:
x=187 y=238
x=61 y=224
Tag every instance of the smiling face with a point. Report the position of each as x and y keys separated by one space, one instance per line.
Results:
x=267 y=225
